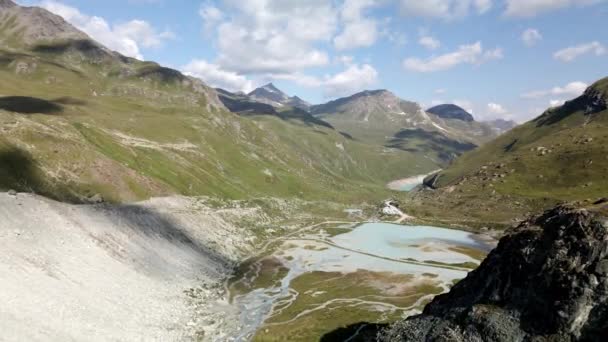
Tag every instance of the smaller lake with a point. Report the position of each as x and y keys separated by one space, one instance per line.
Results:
x=374 y=272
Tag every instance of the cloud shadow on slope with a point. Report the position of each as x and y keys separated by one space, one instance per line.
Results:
x=30 y=105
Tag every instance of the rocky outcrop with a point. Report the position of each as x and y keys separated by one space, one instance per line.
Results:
x=546 y=281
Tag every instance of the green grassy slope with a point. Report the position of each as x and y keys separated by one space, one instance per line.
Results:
x=131 y=130
x=560 y=156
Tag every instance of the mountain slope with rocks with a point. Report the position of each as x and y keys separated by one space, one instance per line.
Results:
x=556 y=157
x=129 y=272
x=546 y=281
x=560 y=154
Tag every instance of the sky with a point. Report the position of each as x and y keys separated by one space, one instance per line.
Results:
x=508 y=59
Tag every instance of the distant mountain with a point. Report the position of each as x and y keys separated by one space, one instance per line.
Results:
x=246 y=105
x=382 y=117
x=371 y=107
x=451 y=111
x=241 y=103
x=501 y=126
x=273 y=96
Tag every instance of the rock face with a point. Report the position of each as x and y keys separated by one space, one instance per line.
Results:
x=451 y=111
x=546 y=281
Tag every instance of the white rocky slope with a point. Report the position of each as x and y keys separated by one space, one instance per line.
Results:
x=148 y=271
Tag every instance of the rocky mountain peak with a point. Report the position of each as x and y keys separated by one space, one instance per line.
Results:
x=7 y=4
x=35 y=25
x=546 y=280
x=271 y=95
x=451 y=111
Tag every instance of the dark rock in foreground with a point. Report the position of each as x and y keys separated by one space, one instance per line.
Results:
x=546 y=281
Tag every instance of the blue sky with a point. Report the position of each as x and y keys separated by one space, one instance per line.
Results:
x=497 y=58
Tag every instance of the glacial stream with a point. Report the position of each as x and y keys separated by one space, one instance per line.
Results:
x=374 y=272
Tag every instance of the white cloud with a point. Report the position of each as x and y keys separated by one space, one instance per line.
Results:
x=571 y=89
x=429 y=42
x=215 y=76
x=126 y=38
x=210 y=14
x=440 y=91
x=274 y=36
x=496 y=109
x=446 y=9
x=531 y=8
x=571 y=53
x=345 y=59
x=353 y=79
x=466 y=54
x=531 y=36
x=556 y=103
x=358 y=30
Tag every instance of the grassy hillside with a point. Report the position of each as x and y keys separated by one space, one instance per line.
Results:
x=131 y=130
x=560 y=156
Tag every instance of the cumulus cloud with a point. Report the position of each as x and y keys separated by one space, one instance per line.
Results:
x=215 y=76
x=496 y=109
x=571 y=53
x=358 y=30
x=274 y=36
x=210 y=14
x=446 y=9
x=429 y=42
x=531 y=8
x=531 y=36
x=465 y=54
x=353 y=79
x=126 y=38
x=571 y=89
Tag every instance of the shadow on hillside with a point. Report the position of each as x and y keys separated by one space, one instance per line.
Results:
x=67 y=100
x=418 y=140
x=156 y=227
x=162 y=74
x=359 y=332
x=82 y=45
x=17 y=170
x=29 y=105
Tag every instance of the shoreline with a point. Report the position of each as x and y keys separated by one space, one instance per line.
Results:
x=400 y=184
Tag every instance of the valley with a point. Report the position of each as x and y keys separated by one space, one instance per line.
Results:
x=145 y=202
